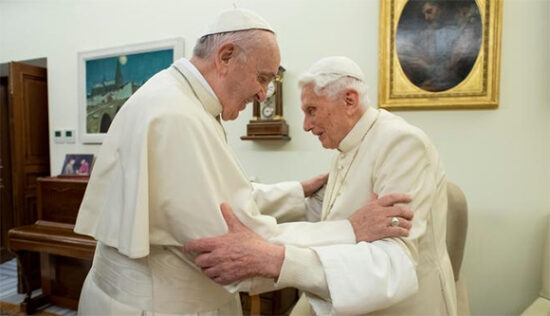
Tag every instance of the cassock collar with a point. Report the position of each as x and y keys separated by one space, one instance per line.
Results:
x=200 y=86
x=354 y=137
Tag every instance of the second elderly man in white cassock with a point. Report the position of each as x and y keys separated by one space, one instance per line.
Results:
x=380 y=153
x=165 y=167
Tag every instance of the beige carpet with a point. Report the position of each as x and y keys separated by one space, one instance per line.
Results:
x=12 y=309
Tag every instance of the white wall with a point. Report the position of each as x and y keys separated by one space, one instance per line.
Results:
x=499 y=157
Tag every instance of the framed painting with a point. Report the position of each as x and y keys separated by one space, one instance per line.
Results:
x=439 y=54
x=108 y=77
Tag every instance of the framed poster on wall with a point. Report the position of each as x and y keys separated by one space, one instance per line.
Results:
x=437 y=54
x=108 y=77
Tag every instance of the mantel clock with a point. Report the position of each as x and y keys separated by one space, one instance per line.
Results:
x=267 y=121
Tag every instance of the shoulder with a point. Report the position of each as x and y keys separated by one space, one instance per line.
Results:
x=160 y=107
x=163 y=91
x=394 y=130
x=164 y=98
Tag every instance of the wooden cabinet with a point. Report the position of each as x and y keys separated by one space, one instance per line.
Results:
x=66 y=257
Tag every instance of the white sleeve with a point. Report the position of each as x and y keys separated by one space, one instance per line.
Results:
x=314 y=205
x=285 y=200
x=302 y=269
x=365 y=277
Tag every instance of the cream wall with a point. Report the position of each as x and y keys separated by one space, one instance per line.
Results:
x=499 y=157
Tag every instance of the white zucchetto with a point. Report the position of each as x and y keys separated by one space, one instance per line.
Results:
x=237 y=20
x=336 y=65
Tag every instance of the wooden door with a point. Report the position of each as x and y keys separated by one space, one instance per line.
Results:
x=6 y=208
x=29 y=146
x=30 y=150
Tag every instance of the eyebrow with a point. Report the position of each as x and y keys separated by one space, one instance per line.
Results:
x=304 y=107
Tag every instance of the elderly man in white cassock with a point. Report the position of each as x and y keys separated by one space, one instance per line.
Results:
x=164 y=169
x=380 y=153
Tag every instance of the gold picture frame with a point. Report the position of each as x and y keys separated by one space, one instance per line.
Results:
x=464 y=71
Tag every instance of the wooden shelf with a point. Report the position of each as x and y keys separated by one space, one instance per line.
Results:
x=266 y=137
x=266 y=130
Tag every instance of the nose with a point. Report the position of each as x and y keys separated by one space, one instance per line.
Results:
x=262 y=94
x=307 y=124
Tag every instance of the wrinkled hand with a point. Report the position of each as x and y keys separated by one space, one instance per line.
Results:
x=373 y=221
x=237 y=255
x=310 y=186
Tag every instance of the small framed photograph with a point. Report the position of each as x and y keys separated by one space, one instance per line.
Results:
x=77 y=165
x=108 y=77
x=437 y=54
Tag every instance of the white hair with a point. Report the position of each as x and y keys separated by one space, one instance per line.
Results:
x=209 y=44
x=330 y=85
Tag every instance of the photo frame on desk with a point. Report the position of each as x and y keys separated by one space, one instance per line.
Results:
x=108 y=77
x=77 y=165
x=439 y=54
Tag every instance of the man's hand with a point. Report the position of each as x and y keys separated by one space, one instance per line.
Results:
x=237 y=255
x=373 y=221
x=310 y=186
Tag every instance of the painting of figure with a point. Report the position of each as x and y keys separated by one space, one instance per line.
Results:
x=438 y=42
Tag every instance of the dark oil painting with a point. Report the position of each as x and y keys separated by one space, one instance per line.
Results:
x=438 y=42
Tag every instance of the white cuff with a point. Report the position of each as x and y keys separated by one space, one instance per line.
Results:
x=302 y=269
x=367 y=277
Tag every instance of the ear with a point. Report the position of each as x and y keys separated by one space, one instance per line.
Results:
x=351 y=98
x=224 y=56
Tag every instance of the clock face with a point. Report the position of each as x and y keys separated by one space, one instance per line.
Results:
x=268 y=108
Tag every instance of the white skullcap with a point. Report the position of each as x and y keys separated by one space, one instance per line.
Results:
x=237 y=20
x=337 y=65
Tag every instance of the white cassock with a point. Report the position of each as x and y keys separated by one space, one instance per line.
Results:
x=160 y=176
x=383 y=154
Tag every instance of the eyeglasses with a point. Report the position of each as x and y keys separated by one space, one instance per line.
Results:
x=265 y=79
